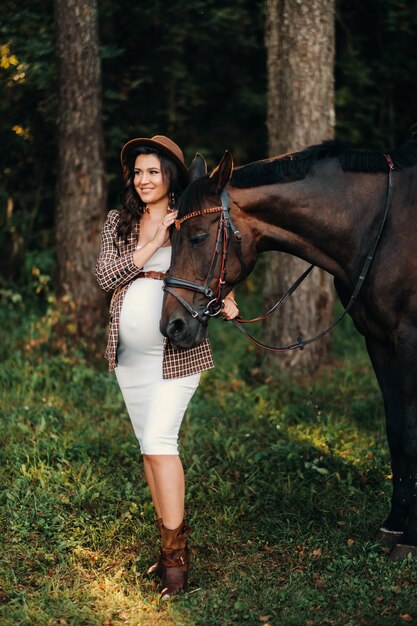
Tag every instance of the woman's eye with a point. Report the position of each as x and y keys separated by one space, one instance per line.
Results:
x=195 y=241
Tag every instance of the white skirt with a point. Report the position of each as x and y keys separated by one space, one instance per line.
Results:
x=156 y=406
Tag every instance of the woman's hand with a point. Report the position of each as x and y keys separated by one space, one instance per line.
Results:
x=162 y=231
x=230 y=310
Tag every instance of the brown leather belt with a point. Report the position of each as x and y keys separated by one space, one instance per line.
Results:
x=154 y=275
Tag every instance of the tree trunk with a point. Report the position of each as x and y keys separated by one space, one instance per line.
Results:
x=299 y=38
x=81 y=182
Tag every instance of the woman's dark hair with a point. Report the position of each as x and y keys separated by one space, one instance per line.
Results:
x=132 y=206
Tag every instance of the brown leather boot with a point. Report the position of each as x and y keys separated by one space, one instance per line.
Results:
x=156 y=569
x=175 y=559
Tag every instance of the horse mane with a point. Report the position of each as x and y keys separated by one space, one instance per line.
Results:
x=295 y=166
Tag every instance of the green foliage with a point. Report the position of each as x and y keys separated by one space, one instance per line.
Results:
x=376 y=89
x=27 y=128
x=287 y=482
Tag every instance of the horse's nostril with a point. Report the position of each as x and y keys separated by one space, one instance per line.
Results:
x=175 y=328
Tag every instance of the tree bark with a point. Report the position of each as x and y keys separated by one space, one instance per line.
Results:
x=299 y=37
x=81 y=182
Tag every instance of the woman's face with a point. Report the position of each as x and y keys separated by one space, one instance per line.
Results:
x=148 y=181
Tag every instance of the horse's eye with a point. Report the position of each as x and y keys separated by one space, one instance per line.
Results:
x=195 y=241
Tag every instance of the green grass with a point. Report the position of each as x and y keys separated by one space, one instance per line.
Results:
x=287 y=483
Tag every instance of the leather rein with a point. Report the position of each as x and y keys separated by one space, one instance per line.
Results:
x=227 y=231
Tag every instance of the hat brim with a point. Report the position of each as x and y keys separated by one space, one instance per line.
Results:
x=151 y=143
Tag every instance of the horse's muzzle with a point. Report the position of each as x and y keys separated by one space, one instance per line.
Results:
x=183 y=332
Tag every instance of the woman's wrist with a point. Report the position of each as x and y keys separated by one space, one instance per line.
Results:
x=231 y=297
x=152 y=245
x=143 y=254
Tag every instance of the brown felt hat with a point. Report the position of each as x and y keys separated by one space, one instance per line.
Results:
x=160 y=142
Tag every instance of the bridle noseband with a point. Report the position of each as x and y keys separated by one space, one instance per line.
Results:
x=226 y=231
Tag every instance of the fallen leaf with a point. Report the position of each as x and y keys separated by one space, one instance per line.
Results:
x=406 y=617
x=317 y=553
x=350 y=542
x=318 y=582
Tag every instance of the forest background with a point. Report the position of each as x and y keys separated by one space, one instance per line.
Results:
x=194 y=71
x=291 y=478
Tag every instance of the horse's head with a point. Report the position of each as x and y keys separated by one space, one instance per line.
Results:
x=198 y=256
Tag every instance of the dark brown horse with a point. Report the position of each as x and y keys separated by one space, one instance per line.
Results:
x=325 y=205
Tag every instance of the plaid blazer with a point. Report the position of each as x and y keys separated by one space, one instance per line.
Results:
x=115 y=271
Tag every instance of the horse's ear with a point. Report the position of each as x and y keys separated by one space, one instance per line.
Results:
x=221 y=175
x=198 y=168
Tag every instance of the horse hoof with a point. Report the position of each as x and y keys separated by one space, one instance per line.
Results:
x=401 y=552
x=389 y=538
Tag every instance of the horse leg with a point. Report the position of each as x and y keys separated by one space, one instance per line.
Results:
x=408 y=348
x=387 y=370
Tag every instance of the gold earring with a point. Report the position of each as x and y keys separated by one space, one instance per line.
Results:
x=172 y=201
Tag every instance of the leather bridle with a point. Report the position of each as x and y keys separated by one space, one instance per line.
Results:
x=225 y=232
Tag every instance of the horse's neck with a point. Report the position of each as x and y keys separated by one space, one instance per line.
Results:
x=325 y=219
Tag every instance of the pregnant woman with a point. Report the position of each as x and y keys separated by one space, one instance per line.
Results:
x=156 y=380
